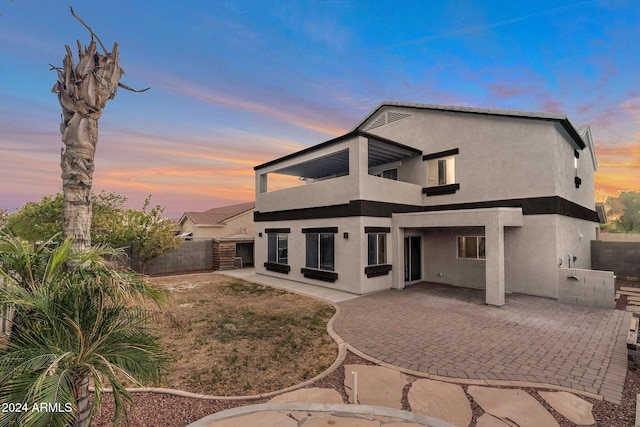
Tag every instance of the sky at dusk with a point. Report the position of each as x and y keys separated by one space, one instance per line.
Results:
x=236 y=84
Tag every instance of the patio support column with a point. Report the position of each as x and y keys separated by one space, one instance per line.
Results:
x=494 y=262
x=397 y=255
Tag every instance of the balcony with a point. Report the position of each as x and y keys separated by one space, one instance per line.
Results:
x=337 y=172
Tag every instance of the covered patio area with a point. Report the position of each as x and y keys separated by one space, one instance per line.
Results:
x=491 y=220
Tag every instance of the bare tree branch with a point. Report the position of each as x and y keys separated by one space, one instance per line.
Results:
x=124 y=86
x=93 y=35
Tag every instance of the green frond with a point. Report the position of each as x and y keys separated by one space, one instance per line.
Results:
x=74 y=316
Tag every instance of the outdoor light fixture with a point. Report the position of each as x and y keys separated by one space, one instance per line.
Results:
x=345 y=235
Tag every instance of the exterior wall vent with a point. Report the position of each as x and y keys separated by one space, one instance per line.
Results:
x=392 y=117
x=387 y=118
x=380 y=121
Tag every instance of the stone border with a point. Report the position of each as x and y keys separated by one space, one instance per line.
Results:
x=464 y=381
x=633 y=347
x=342 y=354
x=321 y=407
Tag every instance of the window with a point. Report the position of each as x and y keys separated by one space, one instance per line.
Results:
x=320 y=251
x=278 y=248
x=388 y=174
x=376 y=249
x=441 y=171
x=471 y=247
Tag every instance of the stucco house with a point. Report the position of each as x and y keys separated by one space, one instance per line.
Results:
x=231 y=228
x=218 y=222
x=500 y=200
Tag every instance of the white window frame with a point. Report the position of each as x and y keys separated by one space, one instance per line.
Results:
x=480 y=246
x=379 y=240
x=434 y=171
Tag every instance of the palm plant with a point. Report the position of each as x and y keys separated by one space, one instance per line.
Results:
x=76 y=320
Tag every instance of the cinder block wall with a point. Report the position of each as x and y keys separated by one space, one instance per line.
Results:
x=623 y=258
x=193 y=255
x=586 y=287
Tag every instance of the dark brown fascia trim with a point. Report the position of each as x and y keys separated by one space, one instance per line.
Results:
x=441 y=189
x=335 y=141
x=439 y=154
x=377 y=270
x=353 y=208
x=279 y=268
x=326 y=276
x=320 y=230
x=564 y=122
x=277 y=230
x=530 y=206
x=377 y=229
x=308 y=149
x=573 y=133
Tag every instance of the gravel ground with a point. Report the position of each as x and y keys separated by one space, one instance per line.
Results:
x=157 y=410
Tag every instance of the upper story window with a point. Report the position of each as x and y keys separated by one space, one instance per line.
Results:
x=441 y=173
x=388 y=174
x=387 y=170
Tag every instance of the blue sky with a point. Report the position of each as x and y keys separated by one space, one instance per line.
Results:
x=236 y=84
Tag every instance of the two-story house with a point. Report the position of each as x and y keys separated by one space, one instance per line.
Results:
x=481 y=198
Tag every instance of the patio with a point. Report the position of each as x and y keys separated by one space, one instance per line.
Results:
x=446 y=331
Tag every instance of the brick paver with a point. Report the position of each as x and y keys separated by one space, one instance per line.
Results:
x=449 y=331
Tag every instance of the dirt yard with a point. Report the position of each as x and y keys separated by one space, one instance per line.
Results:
x=239 y=338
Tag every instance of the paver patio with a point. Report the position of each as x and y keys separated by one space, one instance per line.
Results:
x=449 y=331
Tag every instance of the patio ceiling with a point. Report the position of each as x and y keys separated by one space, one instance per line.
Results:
x=337 y=164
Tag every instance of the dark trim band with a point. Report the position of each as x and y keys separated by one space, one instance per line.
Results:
x=530 y=206
x=377 y=229
x=441 y=189
x=377 y=270
x=279 y=268
x=320 y=230
x=439 y=154
x=352 y=134
x=326 y=276
x=277 y=230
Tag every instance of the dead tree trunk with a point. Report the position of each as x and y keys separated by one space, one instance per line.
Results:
x=83 y=90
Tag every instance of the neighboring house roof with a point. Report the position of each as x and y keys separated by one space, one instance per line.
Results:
x=217 y=216
x=561 y=118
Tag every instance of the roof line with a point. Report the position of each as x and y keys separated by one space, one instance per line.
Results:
x=562 y=118
x=335 y=141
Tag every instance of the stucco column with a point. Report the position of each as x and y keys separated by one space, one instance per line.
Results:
x=359 y=161
x=397 y=254
x=494 y=275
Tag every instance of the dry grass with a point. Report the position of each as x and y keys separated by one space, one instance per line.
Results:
x=239 y=338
